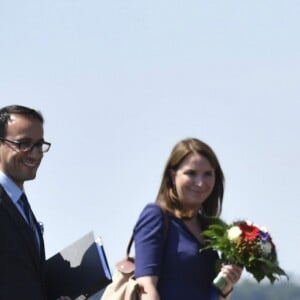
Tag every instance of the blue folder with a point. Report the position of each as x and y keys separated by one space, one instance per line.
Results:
x=79 y=270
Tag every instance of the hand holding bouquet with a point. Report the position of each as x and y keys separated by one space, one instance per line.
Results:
x=246 y=244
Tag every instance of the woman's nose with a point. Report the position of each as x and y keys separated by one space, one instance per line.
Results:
x=199 y=181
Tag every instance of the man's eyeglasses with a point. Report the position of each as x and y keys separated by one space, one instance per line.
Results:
x=24 y=146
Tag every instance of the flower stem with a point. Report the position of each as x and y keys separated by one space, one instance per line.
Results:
x=220 y=282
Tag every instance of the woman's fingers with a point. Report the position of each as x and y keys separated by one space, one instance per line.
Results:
x=232 y=273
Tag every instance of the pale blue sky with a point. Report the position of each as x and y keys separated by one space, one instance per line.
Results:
x=120 y=82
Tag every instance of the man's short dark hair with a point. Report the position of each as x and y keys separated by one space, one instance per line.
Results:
x=7 y=111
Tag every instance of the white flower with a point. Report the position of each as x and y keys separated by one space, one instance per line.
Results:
x=249 y=223
x=263 y=229
x=234 y=233
x=266 y=247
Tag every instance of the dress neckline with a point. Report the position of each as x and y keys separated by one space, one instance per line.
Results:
x=186 y=228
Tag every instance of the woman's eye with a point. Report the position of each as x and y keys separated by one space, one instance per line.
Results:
x=209 y=173
x=191 y=172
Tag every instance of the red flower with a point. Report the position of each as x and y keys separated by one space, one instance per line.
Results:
x=250 y=232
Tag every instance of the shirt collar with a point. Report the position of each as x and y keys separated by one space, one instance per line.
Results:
x=13 y=191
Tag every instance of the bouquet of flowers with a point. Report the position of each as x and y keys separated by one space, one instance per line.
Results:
x=246 y=244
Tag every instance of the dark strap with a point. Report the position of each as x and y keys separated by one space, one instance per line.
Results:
x=166 y=226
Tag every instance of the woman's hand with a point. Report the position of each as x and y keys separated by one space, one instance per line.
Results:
x=232 y=274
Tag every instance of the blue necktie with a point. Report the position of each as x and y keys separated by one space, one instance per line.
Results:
x=28 y=212
x=30 y=219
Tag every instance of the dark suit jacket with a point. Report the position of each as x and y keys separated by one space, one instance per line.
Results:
x=21 y=264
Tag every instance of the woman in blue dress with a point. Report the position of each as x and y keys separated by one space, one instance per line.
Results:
x=167 y=235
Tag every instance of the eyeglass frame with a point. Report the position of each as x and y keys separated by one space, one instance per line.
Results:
x=39 y=145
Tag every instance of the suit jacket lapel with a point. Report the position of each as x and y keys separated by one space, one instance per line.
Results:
x=22 y=227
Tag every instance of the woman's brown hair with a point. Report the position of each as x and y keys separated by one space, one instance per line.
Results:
x=167 y=197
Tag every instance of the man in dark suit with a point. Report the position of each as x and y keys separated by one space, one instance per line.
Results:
x=22 y=253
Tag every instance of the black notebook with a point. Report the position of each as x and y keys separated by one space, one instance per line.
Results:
x=79 y=270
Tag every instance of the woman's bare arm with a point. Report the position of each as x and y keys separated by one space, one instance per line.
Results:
x=148 y=287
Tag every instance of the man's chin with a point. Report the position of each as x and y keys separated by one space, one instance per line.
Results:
x=30 y=177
